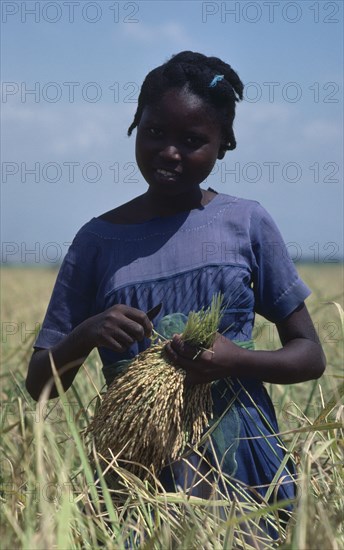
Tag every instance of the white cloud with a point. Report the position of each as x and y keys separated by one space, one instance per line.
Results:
x=322 y=131
x=63 y=129
x=264 y=112
x=285 y=130
x=151 y=34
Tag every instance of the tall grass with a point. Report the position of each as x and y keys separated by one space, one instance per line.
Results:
x=51 y=497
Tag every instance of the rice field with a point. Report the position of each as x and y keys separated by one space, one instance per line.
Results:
x=48 y=494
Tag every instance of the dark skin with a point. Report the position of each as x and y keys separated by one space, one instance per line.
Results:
x=300 y=359
x=178 y=142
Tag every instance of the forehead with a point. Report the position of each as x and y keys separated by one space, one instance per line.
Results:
x=183 y=106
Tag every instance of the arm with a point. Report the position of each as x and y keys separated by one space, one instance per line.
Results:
x=301 y=358
x=116 y=328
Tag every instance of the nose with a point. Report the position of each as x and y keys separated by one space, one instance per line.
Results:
x=170 y=152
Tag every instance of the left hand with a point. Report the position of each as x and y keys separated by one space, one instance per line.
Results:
x=221 y=361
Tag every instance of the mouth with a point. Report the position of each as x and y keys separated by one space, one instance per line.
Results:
x=167 y=174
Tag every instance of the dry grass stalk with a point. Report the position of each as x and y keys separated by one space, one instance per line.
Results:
x=148 y=415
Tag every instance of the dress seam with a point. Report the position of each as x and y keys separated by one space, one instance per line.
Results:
x=174 y=276
x=286 y=291
x=153 y=235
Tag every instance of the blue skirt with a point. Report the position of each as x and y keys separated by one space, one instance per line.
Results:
x=242 y=444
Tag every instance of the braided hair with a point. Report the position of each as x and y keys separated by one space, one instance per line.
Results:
x=196 y=72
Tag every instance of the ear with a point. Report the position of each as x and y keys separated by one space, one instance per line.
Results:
x=221 y=153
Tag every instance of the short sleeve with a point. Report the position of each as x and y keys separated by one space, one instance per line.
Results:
x=277 y=287
x=73 y=296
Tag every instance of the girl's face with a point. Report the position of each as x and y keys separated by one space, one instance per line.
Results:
x=177 y=143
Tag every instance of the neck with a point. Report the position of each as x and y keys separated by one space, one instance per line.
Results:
x=165 y=205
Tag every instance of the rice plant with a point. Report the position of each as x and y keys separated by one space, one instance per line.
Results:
x=53 y=497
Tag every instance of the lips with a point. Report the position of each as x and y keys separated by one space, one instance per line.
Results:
x=167 y=174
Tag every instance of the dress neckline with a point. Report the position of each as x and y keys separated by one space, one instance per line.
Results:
x=164 y=219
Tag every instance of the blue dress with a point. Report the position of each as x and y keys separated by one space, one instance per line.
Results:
x=230 y=245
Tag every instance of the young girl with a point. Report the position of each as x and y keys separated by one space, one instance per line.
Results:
x=179 y=244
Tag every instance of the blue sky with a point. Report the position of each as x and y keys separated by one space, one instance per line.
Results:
x=65 y=153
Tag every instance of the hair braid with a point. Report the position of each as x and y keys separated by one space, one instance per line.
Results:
x=196 y=71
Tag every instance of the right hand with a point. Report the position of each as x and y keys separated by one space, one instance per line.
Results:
x=118 y=327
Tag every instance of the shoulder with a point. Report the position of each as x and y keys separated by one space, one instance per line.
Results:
x=92 y=240
x=250 y=209
x=250 y=221
x=243 y=211
x=239 y=202
x=99 y=237
x=97 y=230
x=90 y=251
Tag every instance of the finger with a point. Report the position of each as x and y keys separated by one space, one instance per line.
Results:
x=115 y=346
x=121 y=338
x=148 y=328
x=183 y=348
x=133 y=329
x=140 y=319
x=171 y=354
x=178 y=360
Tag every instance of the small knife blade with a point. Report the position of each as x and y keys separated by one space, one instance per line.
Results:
x=151 y=313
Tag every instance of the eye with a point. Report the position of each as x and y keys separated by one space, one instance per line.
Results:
x=195 y=141
x=154 y=132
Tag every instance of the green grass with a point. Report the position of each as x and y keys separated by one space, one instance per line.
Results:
x=48 y=494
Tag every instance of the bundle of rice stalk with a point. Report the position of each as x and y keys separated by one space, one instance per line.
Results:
x=148 y=415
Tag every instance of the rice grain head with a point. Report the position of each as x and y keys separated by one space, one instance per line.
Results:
x=148 y=415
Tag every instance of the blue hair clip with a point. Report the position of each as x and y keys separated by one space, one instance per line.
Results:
x=217 y=78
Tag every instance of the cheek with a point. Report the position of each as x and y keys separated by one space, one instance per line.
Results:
x=144 y=147
x=141 y=151
x=204 y=160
